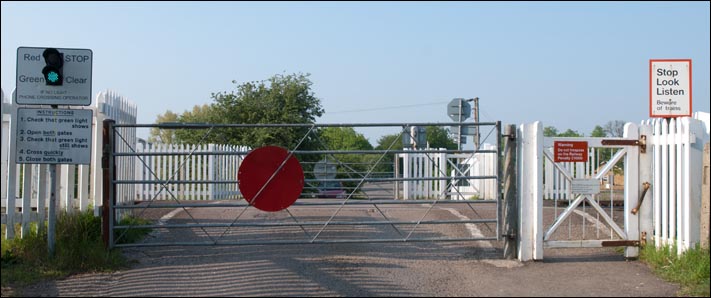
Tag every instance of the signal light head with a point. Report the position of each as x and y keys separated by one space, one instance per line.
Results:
x=53 y=72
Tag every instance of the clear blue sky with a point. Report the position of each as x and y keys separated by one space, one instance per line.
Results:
x=571 y=65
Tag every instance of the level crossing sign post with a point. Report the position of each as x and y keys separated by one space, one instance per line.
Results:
x=54 y=77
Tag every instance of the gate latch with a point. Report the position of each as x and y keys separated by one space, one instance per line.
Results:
x=642 y=143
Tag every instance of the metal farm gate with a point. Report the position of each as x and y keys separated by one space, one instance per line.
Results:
x=348 y=196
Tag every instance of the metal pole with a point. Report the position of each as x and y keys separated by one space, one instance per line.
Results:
x=477 y=139
x=52 y=208
x=499 y=173
x=52 y=216
x=459 y=130
x=106 y=181
x=109 y=187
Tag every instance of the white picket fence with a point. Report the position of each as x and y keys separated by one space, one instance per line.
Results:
x=78 y=187
x=677 y=154
x=442 y=165
x=427 y=165
x=113 y=106
x=192 y=167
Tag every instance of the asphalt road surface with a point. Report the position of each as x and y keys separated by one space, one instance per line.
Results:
x=450 y=268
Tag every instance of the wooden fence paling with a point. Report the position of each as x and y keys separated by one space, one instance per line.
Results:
x=676 y=146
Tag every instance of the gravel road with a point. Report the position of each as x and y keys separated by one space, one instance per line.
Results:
x=472 y=268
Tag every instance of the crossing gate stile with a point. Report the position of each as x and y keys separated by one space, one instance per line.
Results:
x=363 y=201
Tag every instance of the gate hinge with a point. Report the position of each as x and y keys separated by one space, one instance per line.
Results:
x=511 y=236
x=642 y=143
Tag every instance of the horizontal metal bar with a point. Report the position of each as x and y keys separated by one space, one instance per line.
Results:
x=287 y=242
x=175 y=181
x=588 y=243
x=334 y=202
x=202 y=153
x=423 y=151
x=593 y=142
x=305 y=180
x=609 y=243
x=402 y=179
x=618 y=142
x=295 y=224
x=572 y=243
x=307 y=125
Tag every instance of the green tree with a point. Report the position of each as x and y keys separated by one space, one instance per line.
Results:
x=344 y=138
x=570 y=133
x=598 y=132
x=283 y=99
x=550 y=131
x=438 y=137
x=385 y=141
x=202 y=114
x=349 y=165
x=166 y=136
x=280 y=99
x=391 y=142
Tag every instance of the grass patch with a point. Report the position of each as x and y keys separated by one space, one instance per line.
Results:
x=690 y=270
x=78 y=248
x=131 y=234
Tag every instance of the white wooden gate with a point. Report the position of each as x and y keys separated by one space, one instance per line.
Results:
x=589 y=224
x=586 y=222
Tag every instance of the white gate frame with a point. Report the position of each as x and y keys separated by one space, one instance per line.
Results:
x=532 y=235
x=631 y=154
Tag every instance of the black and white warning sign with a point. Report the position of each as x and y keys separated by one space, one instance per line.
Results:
x=670 y=88
x=54 y=136
x=75 y=88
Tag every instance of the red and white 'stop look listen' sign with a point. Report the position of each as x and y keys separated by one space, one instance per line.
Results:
x=670 y=88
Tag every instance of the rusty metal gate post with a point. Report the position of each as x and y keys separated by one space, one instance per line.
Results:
x=107 y=195
x=509 y=191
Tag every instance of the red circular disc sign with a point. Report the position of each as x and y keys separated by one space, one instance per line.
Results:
x=282 y=190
